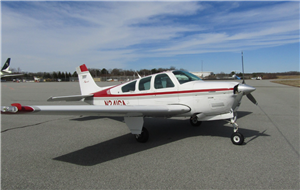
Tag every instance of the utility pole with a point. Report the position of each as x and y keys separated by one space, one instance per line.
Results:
x=202 y=68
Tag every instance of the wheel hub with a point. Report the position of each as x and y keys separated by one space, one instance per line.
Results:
x=236 y=139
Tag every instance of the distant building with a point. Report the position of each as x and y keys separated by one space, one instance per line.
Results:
x=202 y=74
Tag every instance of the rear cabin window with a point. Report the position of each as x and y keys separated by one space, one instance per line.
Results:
x=163 y=81
x=129 y=87
x=144 y=84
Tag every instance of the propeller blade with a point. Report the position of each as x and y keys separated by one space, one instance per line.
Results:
x=243 y=68
x=252 y=99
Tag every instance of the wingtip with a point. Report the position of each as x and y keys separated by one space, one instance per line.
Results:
x=16 y=108
x=8 y=109
x=17 y=105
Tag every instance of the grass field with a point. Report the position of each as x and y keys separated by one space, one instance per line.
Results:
x=288 y=77
x=295 y=82
x=290 y=80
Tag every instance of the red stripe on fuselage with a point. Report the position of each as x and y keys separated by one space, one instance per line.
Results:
x=104 y=93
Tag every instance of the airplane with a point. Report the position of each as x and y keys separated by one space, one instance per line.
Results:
x=256 y=78
x=233 y=77
x=5 y=72
x=167 y=94
x=36 y=79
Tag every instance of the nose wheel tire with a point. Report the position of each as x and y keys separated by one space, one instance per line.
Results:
x=237 y=138
x=143 y=137
x=194 y=121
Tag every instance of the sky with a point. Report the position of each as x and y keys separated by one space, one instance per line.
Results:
x=42 y=36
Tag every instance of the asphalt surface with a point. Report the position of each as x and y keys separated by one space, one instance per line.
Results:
x=73 y=152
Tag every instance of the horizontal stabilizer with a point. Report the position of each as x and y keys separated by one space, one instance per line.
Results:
x=5 y=74
x=69 y=98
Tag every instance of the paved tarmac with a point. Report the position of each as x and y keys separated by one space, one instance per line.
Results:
x=73 y=152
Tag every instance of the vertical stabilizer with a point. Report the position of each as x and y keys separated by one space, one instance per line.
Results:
x=86 y=81
x=5 y=67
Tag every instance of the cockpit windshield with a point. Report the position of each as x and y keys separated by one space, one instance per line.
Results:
x=184 y=76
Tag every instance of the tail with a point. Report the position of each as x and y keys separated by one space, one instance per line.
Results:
x=6 y=65
x=86 y=81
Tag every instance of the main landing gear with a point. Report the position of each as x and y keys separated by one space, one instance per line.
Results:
x=236 y=138
x=143 y=137
x=194 y=121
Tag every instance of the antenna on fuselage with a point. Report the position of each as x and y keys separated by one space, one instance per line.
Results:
x=138 y=75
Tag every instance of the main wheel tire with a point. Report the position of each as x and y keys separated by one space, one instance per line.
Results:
x=237 y=138
x=143 y=137
x=194 y=121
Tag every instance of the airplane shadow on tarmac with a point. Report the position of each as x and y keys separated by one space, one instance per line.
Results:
x=162 y=131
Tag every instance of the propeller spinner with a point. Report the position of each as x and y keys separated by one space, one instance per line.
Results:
x=246 y=90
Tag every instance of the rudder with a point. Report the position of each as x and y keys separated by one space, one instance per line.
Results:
x=86 y=81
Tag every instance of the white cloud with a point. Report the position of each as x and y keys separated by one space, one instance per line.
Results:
x=43 y=35
x=269 y=30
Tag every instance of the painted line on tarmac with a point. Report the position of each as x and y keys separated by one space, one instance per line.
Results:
x=289 y=143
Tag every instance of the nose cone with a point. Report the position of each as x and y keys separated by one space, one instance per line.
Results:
x=246 y=89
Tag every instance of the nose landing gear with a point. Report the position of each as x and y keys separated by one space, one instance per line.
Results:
x=236 y=138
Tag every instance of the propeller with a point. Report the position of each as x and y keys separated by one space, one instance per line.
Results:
x=246 y=89
x=252 y=99
x=243 y=67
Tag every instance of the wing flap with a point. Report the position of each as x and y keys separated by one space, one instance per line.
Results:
x=99 y=110
x=69 y=98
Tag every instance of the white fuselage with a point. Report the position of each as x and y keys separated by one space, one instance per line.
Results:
x=215 y=99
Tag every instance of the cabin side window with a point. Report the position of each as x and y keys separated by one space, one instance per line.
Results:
x=144 y=84
x=129 y=87
x=163 y=81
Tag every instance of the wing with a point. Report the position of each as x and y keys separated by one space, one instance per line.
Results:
x=99 y=110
